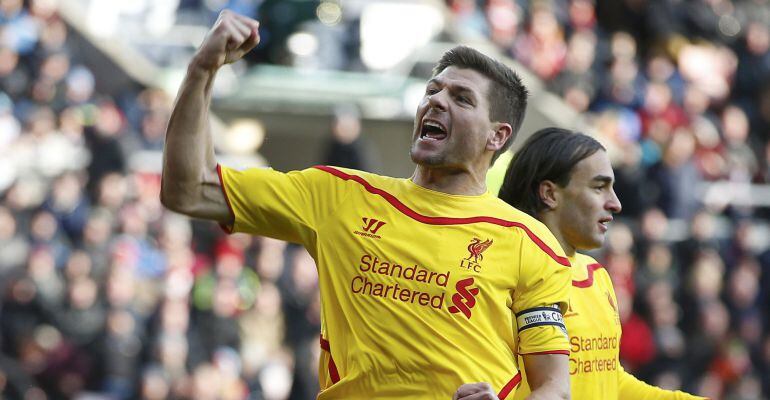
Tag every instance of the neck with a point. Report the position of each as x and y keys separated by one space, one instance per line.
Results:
x=552 y=223
x=461 y=182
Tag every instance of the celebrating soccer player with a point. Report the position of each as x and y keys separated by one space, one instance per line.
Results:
x=565 y=180
x=420 y=278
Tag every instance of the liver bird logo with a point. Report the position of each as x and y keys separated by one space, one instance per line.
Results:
x=476 y=248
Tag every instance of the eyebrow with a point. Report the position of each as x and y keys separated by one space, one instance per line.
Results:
x=456 y=87
x=603 y=179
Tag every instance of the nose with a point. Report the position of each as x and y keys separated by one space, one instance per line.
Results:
x=437 y=100
x=613 y=204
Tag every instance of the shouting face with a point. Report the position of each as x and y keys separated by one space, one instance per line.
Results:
x=452 y=128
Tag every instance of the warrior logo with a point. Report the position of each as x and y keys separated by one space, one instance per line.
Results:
x=465 y=298
x=370 y=228
x=372 y=225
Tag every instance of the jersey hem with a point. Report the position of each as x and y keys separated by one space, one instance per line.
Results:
x=225 y=227
x=508 y=388
x=333 y=372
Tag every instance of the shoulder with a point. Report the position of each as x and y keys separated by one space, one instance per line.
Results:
x=534 y=236
x=347 y=174
x=535 y=229
x=586 y=260
x=500 y=209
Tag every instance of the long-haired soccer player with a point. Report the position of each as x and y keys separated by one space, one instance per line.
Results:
x=565 y=180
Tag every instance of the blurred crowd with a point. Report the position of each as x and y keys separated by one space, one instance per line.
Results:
x=679 y=91
x=104 y=294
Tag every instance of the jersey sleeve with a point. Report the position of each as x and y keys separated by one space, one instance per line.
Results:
x=541 y=295
x=286 y=206
x=633 y=389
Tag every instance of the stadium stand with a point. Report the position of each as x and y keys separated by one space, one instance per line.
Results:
x=106 y=295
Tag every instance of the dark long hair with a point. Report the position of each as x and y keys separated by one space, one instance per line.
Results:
x=549 y=154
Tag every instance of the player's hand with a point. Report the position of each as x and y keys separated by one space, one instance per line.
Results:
x=231 y=37
x=475 y=391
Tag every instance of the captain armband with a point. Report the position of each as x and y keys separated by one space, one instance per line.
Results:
x=540 y=316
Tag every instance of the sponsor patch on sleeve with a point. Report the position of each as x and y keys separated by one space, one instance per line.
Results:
x=541 y=316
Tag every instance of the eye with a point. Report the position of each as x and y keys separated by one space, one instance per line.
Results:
x=431 y=90
x=465 y=100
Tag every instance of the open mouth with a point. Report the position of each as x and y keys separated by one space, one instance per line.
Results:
x=432 y=130
x=604 y=223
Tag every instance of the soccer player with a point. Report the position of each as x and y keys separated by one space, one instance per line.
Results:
x=420 y=278
x=565 y=180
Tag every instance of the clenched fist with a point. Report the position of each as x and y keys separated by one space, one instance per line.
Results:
x=231 y=37
x=475 y=391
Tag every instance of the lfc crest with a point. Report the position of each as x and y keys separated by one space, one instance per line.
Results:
x=475 y=250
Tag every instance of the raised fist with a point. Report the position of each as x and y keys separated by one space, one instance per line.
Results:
x=231 y=37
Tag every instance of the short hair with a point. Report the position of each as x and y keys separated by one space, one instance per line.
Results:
x=507 y=95
x=549 y=154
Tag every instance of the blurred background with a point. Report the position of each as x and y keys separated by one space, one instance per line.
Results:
x=106 y=295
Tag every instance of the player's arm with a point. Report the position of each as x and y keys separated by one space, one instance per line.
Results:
x=633 y=389
x=190 y=184
x=548 y=376
x=539 y=301
x=545 y=374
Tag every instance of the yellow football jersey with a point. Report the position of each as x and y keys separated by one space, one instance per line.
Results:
x=594 y=330
x=420 y=290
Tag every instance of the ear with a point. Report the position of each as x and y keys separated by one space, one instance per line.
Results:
x=548 y=192
x=501 y=135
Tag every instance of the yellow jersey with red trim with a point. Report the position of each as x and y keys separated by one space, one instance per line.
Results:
x=593 y=324
x=420 y=290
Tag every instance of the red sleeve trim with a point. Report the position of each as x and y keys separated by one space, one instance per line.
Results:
x=508 y=388
x=225 y=227
x=540 y=353
x=588 y=282
x=396 y=203
x=333 y=373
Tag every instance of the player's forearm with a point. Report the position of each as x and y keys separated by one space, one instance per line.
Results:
x=548 y=376
x=551 y=390
x=190 y=183
x=188 y=156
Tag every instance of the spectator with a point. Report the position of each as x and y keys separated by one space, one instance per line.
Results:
x=346 y=148
x=104 y=292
